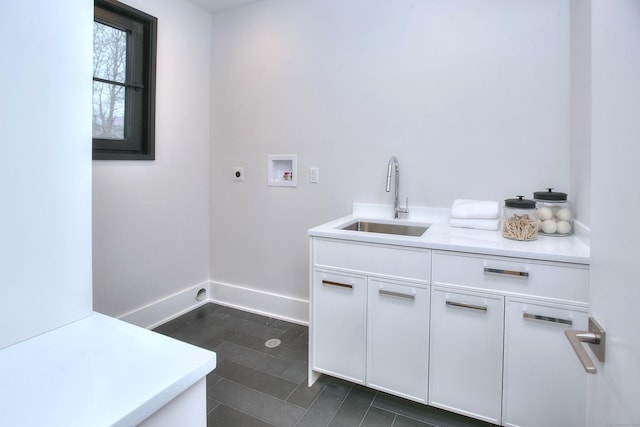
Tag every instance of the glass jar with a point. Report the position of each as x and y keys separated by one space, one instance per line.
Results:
x=555 y=213
x=520 y=219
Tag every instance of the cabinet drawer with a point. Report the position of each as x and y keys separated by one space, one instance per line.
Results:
x=403 y=263
x=568 y=282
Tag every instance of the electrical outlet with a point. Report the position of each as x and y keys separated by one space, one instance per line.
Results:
x=313 y=175
x=238 y=174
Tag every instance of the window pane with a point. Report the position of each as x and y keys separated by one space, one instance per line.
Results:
x=109 y=53
x=108 y=111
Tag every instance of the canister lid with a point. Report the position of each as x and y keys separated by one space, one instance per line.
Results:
x=520 y=202
x=550 y=195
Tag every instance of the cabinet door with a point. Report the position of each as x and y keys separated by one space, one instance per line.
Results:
x=543 y=384
x=338 y=325
x=398 y=339
x=465 y=361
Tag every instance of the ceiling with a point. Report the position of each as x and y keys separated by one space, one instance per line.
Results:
x=215 y=6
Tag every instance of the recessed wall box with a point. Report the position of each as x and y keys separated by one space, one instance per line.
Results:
x=282 y=170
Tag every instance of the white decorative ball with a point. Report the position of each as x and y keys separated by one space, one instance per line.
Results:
x=545 y=214
x=564 y=227
x=564 y=214
x=549 y=226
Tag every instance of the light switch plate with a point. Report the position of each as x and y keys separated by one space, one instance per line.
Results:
x=313 y=175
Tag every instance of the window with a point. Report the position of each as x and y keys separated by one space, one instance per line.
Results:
x=124 y=58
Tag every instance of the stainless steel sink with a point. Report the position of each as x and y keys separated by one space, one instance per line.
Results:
x=385 y=228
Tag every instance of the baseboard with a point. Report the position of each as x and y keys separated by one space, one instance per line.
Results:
x=265 y=303
x=252 y=300
x=168 y=308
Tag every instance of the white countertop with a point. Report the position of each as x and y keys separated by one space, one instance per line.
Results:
x=97 y=371
x=442 y=236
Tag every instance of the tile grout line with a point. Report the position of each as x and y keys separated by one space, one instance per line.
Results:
x=364 y=417
x=291 y=394
x=344 y=399
x=311 y=404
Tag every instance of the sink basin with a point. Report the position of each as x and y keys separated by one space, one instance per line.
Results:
x=385 y=228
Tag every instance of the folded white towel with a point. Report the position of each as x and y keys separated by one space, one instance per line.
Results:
x=478 y=209
x=479 y=224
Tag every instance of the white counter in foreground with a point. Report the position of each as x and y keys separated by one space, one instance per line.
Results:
x=99 y=371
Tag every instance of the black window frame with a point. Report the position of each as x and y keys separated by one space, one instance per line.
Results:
x=140 y=98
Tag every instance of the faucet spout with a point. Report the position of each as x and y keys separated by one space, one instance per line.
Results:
x=392 y=161
x=394 y=165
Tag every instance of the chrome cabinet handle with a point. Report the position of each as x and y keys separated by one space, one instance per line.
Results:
x=464 y=305
x=338 y=284
x=547 y=318
x=507 y=272
x=411 y=297
x=595 y=337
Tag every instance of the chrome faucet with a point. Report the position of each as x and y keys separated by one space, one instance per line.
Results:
x=397 y=210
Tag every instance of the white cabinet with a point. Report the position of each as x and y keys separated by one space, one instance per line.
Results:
x=338 y=319
x=466 y=353
x=544 y=385
x=370 y=315
x=398 y=338
x=474 y=334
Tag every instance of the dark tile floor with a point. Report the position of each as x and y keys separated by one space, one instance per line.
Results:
x=254 y=385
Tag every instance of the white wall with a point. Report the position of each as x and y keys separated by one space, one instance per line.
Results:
x=45 y=166
x=581 y=109
x=151 y=218
x=473 y=97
